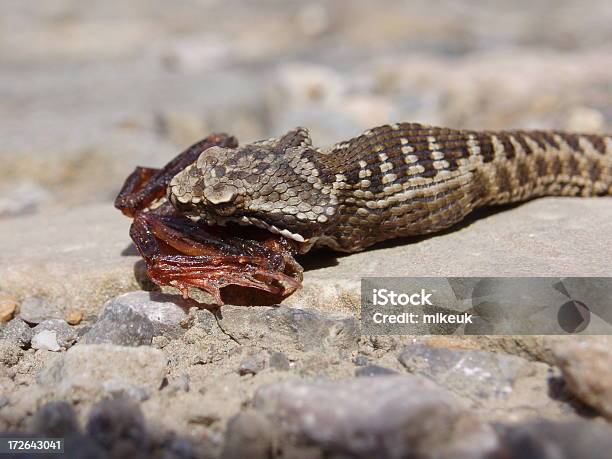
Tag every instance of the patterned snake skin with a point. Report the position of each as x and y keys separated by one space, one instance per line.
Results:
x=395 y=180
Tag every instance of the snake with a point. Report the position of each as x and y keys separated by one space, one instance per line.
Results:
x=395 y=180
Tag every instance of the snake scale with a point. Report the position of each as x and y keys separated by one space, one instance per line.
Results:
x=394 y=180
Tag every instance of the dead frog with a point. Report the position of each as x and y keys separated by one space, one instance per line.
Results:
x=232 y=263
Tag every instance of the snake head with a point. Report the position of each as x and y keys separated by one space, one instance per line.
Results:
x=276 y=184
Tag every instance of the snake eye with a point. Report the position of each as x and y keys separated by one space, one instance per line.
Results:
x=222 y=199
x=220 y=194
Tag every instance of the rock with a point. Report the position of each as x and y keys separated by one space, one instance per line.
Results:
x=10 y=353
x=36 y=310
x=501 y=244
x=542 y=439
x=83 y=266
x=117 y=425
x=361 y=360
x=374 y=417
x=88 y=268
x=55 y=419
x=253 y=364
x=248 y=434
x=73 y=317
x=46 y=340
x=106 y=368
x=134 y=318
x=8 y=306
x=587 y=368
x=305 y=329
x=121 y=324
x=374 y=370
x=65 y=335
x=474 y=374
x=17 y=332
x=166 y=312
x=279 y=361
x=206 y=319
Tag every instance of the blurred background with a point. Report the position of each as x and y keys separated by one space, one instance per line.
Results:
x=89 y=89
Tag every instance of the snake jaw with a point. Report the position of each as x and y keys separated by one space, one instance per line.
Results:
x=252 y=221
x=299 y=242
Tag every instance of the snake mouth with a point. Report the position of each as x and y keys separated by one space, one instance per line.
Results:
x=251 y=221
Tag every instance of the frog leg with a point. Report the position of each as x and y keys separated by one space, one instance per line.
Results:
x=197 y=258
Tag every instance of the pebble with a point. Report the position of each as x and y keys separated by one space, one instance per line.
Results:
x=279 y=361
x=361 y=360
x=46 y=340
x=253 y=364
x=206 y=319
x=166 y=314
x=74 y=317
x=17 y=332
x=121 y=324
x=8 y=307
x=63 y=334
x=385 y=414
x=35 y=310
x=587 y=368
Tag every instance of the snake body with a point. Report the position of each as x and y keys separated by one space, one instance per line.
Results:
x=391 y=181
